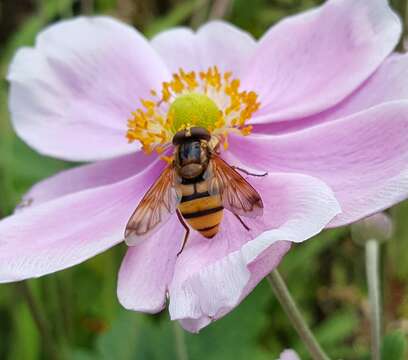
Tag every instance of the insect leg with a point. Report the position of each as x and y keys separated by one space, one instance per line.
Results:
x=249 y=173
x=242 y=223
x=186 y=234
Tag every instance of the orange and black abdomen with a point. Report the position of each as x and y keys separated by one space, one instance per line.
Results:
x=202 y=211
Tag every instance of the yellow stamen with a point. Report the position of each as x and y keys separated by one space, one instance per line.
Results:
x=225 y=143
x=208 y=99
x=167 y=159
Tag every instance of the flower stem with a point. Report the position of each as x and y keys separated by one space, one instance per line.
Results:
x=371 y=250
x=181 y=348
x=39 y=320
x=200 y=13
x=403 y=11
x=282 y=293
x=87 y=6
x=219 y=9
x=405 y=31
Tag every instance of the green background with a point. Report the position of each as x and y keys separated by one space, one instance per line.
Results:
x=77 y=313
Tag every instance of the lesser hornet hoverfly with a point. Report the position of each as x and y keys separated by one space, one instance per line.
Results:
x=197 y=185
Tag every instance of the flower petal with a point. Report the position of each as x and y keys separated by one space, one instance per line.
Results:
x=68 y=230
x=310 y=62
x=148 y=268
x=267 y=261
x=363 y=158
x=387 y=84
x=177 y=48
x=72 y=94
x=289 y=354
x=216 y=43
x=211 y=274
x=84 y=177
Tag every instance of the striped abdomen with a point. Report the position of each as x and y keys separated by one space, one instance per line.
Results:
x=202 y=211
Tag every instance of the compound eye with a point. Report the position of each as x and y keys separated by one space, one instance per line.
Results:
x=200 y=133
x=194 y=133
x=179 y=137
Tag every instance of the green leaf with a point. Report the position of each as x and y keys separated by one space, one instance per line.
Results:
x=23 y=346
x=26 y=34
x=173 y=18
x=337 y=328
x=398 y=246
x=119 y=342
x=394 y=346
x=80 y=354
x=236 y=336
x=295 y=259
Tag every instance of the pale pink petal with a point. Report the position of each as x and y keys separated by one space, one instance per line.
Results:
x=83 y=177
x=363 y=157
x=267 y=261
x=177 y=48
x=72 y=94
x=310 y=62
x=148 y=268
x=216 y=43
x=387 y=84
x=211 y=274
x=68 y=230
x=289 y=354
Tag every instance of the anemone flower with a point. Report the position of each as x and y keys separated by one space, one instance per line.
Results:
x=318 y=103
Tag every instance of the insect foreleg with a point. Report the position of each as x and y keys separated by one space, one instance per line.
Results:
x=186 y=234
x=242 y=222
x=249 y=173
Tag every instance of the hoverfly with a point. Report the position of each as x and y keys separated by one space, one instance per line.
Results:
x=197 y=185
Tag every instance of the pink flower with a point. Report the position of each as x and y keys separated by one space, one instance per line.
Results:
x=289 y=355
x=331 y=131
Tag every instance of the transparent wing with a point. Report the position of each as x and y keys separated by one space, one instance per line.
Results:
x=236 y=193
x=154 y=209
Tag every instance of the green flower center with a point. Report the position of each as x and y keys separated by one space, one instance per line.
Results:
x=208 y=99
x=194 y=110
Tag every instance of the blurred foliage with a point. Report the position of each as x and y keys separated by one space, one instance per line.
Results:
x=79 y=305
x=394 y=346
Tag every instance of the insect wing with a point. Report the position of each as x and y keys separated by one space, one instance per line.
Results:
x=236 y=193
x=154 y=209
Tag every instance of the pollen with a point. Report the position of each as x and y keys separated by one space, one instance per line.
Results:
x=208 y=99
